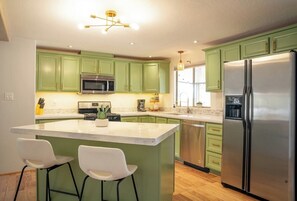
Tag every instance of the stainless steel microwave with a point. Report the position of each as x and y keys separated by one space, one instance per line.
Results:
x=96 y=84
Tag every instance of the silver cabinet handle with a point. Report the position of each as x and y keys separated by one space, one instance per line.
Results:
x=194 y=125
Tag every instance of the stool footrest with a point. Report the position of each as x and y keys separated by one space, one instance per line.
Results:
x=64 y=192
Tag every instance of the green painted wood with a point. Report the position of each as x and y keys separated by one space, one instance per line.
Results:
x=164 y=78
x=213 y=161
x=213 y=70
x=284 y=40
x=136 y=77
x=161 y=120
x=106 y=67
x=147 y=119
x=151 y=78
x=230 y=53
x=177 y=136
x=154 y=177
x=89 y=65
x=48 y=72
x=70 y=73
x=121 y=76
x=129 y=119
x=255 y=47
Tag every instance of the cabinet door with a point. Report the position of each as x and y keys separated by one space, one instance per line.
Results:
x=255 y=47
x=213 y=70
x=164 y=78
x=177 y=136
x=144 y=119
x=70 y=80
x=129 y=119
x=121 y=76
x=230 y=53
x=284 y=40
x=135 y=77
x=48 y=73
x=106 y=67
x=89 y=65
x=151 y=77
x=161 y=120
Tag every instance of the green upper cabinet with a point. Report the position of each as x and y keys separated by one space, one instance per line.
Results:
x=164 y=78
x=230 y=53
x=284 y=40
x=121 y=76
x=213 y=70
x=255 y=47
x=48 y=72
x=106 y=67
x=151 y=77
x=89 y=65
x=70 y=73
x=156 y=77
x=136 y=77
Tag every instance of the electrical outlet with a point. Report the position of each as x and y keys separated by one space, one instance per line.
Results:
x=9 y=96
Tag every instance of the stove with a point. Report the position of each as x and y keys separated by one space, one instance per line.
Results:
x=89 y=109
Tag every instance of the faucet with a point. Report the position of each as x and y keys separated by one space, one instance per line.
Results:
x=188 y=107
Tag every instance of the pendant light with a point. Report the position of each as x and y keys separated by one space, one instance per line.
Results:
x=180 y=65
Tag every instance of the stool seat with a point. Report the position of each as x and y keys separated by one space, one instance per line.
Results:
x=39 y=154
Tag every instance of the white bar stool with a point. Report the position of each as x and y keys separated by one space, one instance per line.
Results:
x=39 y=154
x=105 y=164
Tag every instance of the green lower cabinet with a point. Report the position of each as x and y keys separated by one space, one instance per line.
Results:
x=161 y=120
x=129 y=119
x=177 y=135
x=41 y=121
x=213 y=146
x=147 y=119
x=213 y=161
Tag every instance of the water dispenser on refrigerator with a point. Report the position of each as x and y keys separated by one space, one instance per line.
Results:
x=234 y=107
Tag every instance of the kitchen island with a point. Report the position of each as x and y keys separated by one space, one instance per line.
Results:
x=149 y=146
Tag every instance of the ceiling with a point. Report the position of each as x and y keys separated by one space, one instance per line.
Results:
x=166 y=26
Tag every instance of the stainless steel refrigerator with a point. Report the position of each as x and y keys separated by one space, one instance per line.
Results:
x=259 y=126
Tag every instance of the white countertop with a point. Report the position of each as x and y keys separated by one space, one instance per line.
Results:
x=173 y=115
x=150 y=134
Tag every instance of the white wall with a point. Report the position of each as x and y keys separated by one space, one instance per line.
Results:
x=17 y=75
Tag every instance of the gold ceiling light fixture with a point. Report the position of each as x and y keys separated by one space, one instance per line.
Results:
x=111 y=21
x=180 y=65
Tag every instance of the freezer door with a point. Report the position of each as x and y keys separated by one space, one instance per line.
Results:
x=233 y=130
x=272 y=87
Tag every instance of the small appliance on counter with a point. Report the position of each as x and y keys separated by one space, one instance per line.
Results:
x=89 y=109
x=141 y=105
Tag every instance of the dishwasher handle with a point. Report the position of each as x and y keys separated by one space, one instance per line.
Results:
x=194 y=125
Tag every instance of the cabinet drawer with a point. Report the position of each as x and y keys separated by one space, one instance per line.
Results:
x=215 y=129
x=161 y=120
x=214 y=143
x=213 y=161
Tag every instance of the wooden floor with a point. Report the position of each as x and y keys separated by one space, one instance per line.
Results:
x=190 y=185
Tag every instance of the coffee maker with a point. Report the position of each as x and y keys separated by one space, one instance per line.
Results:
x=141 y=105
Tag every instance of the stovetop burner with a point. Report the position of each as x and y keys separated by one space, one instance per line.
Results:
x=89 y=109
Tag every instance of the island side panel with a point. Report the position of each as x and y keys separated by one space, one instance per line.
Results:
x=154 y=177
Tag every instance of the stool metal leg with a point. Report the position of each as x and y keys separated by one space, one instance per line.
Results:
x=118 y=188
x=134 y=187
x=73 y=180
x=20 y=180
x=83 y=187
x=48 y=188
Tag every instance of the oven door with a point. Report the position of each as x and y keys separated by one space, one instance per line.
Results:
x=93 y=86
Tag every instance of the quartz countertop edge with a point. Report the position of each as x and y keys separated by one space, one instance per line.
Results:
x=172 y=115
x=86 y=130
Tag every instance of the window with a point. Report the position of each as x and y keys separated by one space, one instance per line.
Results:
x=191 y=88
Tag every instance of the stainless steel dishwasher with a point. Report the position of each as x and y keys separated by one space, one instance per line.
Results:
x=193 y=142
